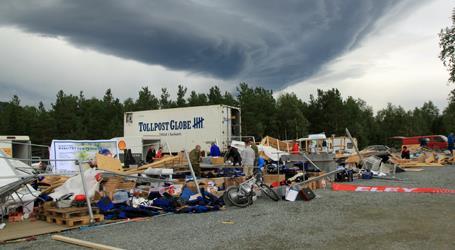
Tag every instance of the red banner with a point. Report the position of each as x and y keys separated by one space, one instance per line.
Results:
x=391 y=189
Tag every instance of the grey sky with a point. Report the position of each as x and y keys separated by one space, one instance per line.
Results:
x=92 y=45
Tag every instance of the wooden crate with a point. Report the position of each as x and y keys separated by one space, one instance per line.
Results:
x=72 y=216
x=69 y=212
x=74 y=221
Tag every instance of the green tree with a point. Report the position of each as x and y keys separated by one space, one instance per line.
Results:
x=181 y=92
x=229 y=99
x=65 y=112
x=196 y=99
x=447 y=44
x=215 y=96
x=165 y=101
x=425 y=119
x=292 y=121
x=258 y=111
x=325 y=112
x=146 y=100
x=128 y=105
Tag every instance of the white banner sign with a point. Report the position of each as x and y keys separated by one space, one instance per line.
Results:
x=78 y=150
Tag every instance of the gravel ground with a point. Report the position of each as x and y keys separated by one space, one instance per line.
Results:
x=335 y=220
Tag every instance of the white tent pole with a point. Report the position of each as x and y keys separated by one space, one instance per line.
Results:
x=84 y=185
x=192 y=172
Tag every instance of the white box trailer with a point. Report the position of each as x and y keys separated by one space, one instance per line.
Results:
x=177 y=129
x=17 y=146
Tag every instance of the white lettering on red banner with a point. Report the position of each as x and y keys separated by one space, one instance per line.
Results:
x=389 y=189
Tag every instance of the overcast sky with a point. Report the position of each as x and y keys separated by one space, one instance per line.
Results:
x=380 y=51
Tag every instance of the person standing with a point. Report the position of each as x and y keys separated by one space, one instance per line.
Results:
x=256 y=152
x=450 y=143
x=295 y=148
x=151 y=153
x=195 y=159
x=261 y=165
x=248 y=157
x=159 y=154
x=215 y=150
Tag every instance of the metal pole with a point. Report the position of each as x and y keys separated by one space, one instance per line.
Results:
x=309 y=160
x=318 y=177
x=89 y=205
x=169 y=148
x=192 y=172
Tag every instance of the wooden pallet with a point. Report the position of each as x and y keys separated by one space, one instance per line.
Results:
x=69 y=212
x=74 y=221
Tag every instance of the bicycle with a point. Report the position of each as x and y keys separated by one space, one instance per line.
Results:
x=242 y=195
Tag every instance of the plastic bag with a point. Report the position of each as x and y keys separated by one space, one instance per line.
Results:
x=74 y=185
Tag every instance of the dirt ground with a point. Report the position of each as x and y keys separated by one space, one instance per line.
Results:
x=334 y=220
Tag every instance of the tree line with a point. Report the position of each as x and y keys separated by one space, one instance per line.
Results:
x=283 y=117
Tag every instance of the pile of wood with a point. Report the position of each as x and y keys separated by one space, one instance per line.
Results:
x=427 y=159
x=277 y=144
x=174 y=162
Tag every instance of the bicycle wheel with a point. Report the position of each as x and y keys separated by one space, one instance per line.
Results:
x=236 y=198
x=269 y=192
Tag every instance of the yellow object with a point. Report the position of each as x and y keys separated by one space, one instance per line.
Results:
x=121 y=145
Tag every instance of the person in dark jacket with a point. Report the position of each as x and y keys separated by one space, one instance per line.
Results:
x=151 y=153
x=234 y=155
x=450 y=143
x=405 y=154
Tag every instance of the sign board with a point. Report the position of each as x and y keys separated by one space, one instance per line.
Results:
x=82 y=150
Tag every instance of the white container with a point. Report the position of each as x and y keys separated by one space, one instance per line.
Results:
x=177 y=129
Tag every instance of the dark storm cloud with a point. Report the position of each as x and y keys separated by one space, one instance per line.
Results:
x=273 y=43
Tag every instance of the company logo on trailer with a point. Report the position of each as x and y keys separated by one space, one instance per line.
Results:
x=172 y=125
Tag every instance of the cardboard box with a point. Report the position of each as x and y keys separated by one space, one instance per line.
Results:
x=217 y=160
x=115 y=183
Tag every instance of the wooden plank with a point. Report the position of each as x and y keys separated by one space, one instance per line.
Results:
x=167 y=161
x=83 y=243
x=414 y=169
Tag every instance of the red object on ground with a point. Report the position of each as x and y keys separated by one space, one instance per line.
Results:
x=15 y=217
x=391 y=189
x=79 y=197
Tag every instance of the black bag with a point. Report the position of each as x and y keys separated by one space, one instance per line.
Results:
x=307 y=194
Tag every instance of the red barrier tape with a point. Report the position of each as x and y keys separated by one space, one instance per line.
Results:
x=391 y=189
